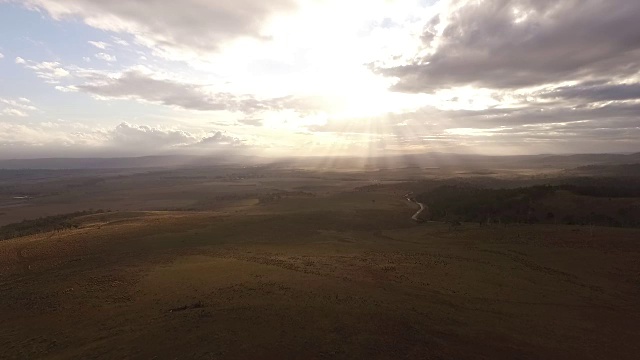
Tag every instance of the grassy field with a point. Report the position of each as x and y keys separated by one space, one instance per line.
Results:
x=345 y=274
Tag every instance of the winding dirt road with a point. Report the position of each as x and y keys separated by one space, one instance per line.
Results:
x=423 y=207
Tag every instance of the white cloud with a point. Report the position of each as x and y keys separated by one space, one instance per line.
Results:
x=145 y=136
x=193 y=25
x=119 y=41
x=105 y=57
x=219 y=139
x=1 y=56
x=50 y=72
x=14 y=112
x=60 y=138
x=66 y=89
x=99 y=44
x=140 y=85
x=20 y=107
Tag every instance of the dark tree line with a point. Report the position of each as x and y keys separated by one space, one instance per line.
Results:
x=43 y=224
x=524 y=205
x=471 y=204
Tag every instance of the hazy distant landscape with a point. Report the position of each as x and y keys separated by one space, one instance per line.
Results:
x=296 y=257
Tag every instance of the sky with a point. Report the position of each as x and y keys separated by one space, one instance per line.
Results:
x=94 y=78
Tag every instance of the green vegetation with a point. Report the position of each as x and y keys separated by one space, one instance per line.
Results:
x=43 y=224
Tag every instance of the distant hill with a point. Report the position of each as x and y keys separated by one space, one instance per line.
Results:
x=467 y=161
x=590 y=159
x=164 y=161
x=426 y=160
x=607 y=170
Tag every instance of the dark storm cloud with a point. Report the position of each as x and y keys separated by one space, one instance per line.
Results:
x=136 y=85
x=522 y=43
x=200 y=26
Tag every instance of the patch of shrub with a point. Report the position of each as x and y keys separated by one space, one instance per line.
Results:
x=43 y=224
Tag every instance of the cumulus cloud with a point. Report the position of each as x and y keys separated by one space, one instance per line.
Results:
x=198 y=26
x=99 y=44
x=119 y=41
x=50 y=71
x=14 y=112
x=32 y=139
x=218 y=139
x=523 y=43
x=143 y=138
x=60 y=138
x=133 y=135
x=105 y=57
x=20 y=107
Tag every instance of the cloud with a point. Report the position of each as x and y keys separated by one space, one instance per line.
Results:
x=478 y=72
x=37 y=139
x=105 y=57
x=600 y=126
x=1 y=56
x=50 y=72
x=506 y=44
x=134 y=84
x=14 y=112
x=119 y=41
x=141 y=138
x=144 y=136
x=218 y=139
x=20 y=107
x=251 y=122
x=193 y=25
x=561 y=76
x=595 y=92
x=99 y=44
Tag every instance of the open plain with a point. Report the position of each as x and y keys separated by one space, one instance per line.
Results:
x=312 y=265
